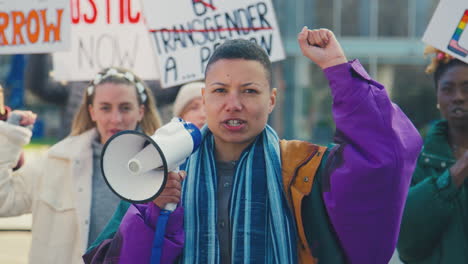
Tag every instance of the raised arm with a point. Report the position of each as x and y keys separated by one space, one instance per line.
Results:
x=365 y=192
x=435 y=195
x=428 y=198
x=15 y=188
x=38 y=81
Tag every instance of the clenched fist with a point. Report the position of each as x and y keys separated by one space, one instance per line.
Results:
x=321 y=46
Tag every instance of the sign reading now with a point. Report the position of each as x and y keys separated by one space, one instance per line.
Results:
x=106 y=33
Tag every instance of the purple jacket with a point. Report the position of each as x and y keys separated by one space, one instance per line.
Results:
x=368 y=189
x=134 y=238
x=365 y=192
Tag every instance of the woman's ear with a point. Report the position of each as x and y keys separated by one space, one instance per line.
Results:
x=203 y=95
x=91 y=112
x=141 y=113
x=272 y=100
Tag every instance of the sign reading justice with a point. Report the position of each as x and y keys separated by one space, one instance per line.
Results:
x=186 y=32
x=106 y=33
x=34 y=26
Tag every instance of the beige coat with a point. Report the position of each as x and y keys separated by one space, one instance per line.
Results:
x=56 y=189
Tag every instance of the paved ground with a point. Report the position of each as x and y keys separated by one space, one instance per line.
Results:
x=14 y=247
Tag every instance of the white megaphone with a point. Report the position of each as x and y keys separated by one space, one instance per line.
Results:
x=135 y=166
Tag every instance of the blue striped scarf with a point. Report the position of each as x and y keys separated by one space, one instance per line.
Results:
x=261 y=224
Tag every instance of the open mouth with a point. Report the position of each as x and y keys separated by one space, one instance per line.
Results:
x=115 y=131
x=234 y=122
x=459 y=112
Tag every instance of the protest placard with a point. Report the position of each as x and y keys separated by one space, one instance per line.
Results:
x=34 y=26
x=448 y=29
x=106 y=33
x=185 y=33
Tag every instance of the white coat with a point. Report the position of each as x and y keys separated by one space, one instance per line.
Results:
x=56 y=189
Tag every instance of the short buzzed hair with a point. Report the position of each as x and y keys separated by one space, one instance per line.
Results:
x=242 y=49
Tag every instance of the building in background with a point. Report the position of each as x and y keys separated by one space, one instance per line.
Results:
x=384 y=35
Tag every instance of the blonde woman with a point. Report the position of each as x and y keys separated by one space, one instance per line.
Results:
x=65 y=190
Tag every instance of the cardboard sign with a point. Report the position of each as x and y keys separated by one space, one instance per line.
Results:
x=448 y=29
x=185 y=33
x=34 y=26
x=106 y=33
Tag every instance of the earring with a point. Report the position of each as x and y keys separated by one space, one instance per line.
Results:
x=438 y=106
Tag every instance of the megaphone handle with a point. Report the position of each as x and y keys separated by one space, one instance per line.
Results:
x=158 y=240
x=171 y=206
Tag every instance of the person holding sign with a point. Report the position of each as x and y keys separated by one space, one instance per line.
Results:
x=64 y=190
x=249 y=197
x=39 y=80
x=434 y=226
x=26 y=118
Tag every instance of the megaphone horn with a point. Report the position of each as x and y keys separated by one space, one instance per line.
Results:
x=135 y=166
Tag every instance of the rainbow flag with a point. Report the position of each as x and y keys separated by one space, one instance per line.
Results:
x=454 y=45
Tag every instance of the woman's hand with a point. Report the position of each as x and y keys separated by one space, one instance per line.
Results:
x=321 y=46
x=459 y=170
x=172 y=190
x=27 y=117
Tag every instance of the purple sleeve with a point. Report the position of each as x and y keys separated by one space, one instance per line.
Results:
x=133 y=241
x=369 y=183
x=137 y=230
